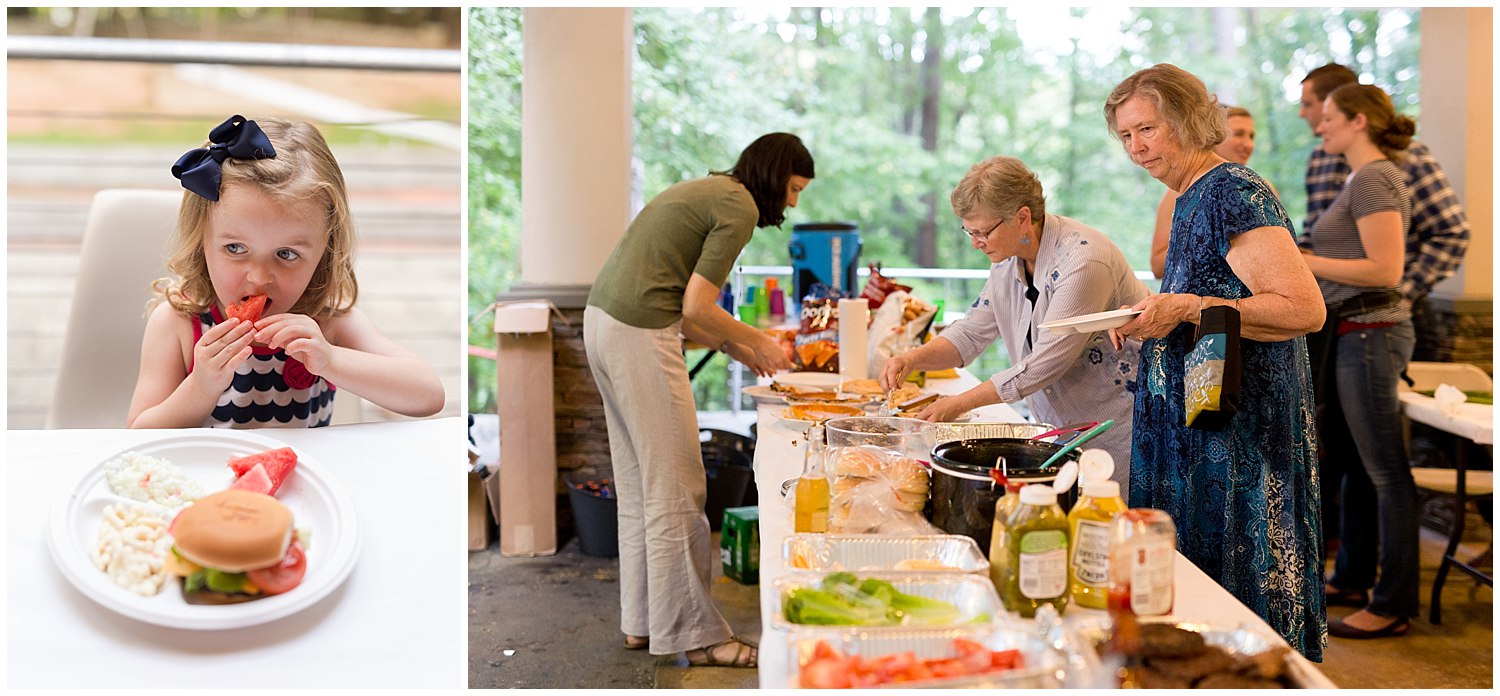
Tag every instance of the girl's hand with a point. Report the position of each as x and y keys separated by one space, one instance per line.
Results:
x=219 y=353
x=300 y=337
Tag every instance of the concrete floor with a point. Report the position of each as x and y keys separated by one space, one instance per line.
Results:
x=553 y=622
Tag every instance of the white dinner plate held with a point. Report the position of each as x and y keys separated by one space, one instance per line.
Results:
x=319 y=505
x=1090 y=323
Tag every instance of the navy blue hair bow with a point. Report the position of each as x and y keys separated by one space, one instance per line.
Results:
x=237 y=137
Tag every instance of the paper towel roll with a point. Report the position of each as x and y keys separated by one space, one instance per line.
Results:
x=854 y=338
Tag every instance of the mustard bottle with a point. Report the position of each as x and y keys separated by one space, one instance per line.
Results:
x=1089 y=528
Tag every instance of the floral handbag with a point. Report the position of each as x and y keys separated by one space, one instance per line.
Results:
x=1211 y=388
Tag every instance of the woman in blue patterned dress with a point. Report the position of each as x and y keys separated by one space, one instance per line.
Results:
x=1245 y=498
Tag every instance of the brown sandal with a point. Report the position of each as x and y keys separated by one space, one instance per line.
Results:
x=637 y=642
x=745 y=655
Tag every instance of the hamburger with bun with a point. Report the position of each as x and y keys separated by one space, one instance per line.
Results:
x=235 y=546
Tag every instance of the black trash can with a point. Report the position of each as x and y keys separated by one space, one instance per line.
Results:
x=730 y=477
x=595 y=516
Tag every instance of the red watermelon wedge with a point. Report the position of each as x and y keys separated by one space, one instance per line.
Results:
x=249 y=309
x=255 y=480
x=277 y=464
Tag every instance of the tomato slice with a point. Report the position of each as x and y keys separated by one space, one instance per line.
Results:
x=285 y=575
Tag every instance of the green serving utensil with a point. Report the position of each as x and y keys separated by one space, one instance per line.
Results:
x=1091 y=434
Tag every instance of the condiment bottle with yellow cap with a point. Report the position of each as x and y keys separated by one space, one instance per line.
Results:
x=1088 y=530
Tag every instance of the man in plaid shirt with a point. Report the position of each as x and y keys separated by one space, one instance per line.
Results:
x=1439 y=229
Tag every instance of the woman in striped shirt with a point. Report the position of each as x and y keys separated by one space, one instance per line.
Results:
x=1357 y=256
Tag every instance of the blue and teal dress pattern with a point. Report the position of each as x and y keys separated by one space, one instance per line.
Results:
x=270 y=390
x=1245 y=499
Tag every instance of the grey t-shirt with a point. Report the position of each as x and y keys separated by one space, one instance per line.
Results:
x=696 y=226
x=1377 y=187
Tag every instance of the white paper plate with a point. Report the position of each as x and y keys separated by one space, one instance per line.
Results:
x=828 y=381
x=762 y=394
x=1090 y=323
x=317 y=502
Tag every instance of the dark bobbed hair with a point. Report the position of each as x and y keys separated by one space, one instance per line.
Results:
x=764 y=168
x=1388 y=130
x=1329 y=77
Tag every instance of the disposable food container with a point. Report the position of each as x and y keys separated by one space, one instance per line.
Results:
x=972 y=594
x=1042 y=666
x=948 y=432
x=1092 y=631
x=873 y=552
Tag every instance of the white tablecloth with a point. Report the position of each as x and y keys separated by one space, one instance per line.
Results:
x=1473 y=421
x=399 y=620
x=778 y=457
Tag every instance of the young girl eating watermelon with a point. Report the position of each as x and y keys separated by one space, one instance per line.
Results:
x=260 y=321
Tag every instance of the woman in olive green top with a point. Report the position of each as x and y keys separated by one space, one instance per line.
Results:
x=662 y=284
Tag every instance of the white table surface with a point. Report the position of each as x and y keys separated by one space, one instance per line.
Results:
x=1473 y=421
x=778 y=457
x=399 y=620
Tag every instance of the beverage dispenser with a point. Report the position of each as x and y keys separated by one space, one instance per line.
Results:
x=824 y=252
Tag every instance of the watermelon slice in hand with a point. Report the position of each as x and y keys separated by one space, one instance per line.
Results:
x=249 y=309
x=255 y=480
x=277 y=465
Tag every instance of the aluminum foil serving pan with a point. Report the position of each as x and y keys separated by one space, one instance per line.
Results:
x=1041 y=667
x=948 y=432
x=972 y=595
x=1240 y=641
x=873 y=552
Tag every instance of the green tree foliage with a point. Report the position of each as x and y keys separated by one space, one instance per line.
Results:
x=897 y=103
x=494 y=179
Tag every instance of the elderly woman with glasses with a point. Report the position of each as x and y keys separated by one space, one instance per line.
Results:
x=1043 y=267
x=1244 y=498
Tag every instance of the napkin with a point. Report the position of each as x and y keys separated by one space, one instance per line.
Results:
x=1449 y=398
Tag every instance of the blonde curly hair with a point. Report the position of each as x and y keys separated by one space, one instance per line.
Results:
x=304 y=169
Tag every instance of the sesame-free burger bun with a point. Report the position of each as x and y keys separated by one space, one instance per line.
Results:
x=234 y=531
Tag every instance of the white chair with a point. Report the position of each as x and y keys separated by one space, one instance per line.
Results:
x=125 y=245
x=1428 y=375
x=1442 y=481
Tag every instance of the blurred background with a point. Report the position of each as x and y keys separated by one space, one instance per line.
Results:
x=101 y=98
x=897 y=103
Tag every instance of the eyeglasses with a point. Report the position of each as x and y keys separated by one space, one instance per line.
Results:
x=980 y=236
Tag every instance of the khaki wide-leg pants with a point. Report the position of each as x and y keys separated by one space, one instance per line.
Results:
x=666 y=551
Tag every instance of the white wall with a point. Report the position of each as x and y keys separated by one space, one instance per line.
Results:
x=1458 y=124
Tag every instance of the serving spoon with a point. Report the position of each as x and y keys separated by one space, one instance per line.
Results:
x=1073 y=445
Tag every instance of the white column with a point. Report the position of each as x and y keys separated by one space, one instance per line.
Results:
x=1458 y=124
x=576 y=139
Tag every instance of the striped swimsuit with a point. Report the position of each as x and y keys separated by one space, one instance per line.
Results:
x=270 y=390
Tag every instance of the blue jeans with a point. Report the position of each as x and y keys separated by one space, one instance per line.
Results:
x=1379 y=520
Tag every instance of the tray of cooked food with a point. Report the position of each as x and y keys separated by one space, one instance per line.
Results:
x=1183 y=654
x=879 y=601
x=948 y=432
x=975 y=657
x=874 y=552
